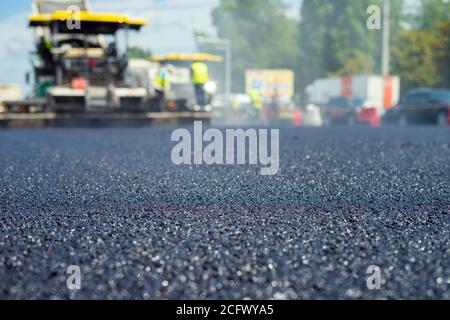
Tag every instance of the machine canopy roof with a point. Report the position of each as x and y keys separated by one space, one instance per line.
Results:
x=187 y=57
x=91 y=23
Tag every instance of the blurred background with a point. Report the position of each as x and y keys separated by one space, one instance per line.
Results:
x=309 y=61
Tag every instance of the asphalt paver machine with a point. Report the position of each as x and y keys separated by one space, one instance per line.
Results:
x=78 y=65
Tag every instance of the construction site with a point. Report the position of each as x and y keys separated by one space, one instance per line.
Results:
x=82 y=74
x=231 y=150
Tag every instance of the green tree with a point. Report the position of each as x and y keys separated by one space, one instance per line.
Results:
x=414 y=59
x=332 y=34
x=421 y=56
x=334 y=38
x=441 y=49
x=262 y=35
x=313 y=39
x=358 y=64
x=432 y=13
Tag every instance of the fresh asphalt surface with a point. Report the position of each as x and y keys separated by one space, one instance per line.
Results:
x=112 y=202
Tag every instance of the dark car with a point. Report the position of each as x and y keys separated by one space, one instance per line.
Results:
x=421 y=106
x=342 y=110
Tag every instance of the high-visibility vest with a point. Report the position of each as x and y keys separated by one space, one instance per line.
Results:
x=199 y=73
x=48 y=44
x=236 y=104
x=257 y=99
x=162 y=80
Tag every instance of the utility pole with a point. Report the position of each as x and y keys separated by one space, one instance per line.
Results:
x=386 y=38
x=225 y=45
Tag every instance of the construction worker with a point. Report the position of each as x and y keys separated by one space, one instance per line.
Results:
x=257 y=101
x=162 y=84
x=199 y=72
x=275 y=105
x=235 y=103
x=44 y=49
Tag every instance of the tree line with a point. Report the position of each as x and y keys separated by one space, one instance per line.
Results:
x=332 y=39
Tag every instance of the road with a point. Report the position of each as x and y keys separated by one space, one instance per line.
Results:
x=139 y=227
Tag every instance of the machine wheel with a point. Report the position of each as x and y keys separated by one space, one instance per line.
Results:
x=184 y=105
x=67 y=104
x=132 y=104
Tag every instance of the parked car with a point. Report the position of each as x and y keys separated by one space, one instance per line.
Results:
x=421 y=106
x=350 y=110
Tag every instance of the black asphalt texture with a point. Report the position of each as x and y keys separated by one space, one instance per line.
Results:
x=139 y=227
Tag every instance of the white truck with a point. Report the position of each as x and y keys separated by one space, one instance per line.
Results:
x=380 y=92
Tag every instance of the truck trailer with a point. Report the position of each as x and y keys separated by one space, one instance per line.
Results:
x=381 y=92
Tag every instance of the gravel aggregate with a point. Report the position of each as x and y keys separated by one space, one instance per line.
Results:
x=140 y=227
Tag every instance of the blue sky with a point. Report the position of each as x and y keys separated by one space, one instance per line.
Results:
x=9 y=8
